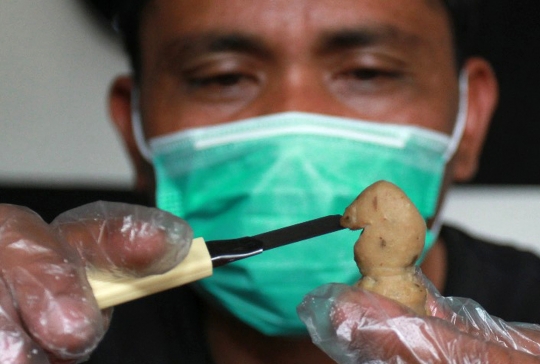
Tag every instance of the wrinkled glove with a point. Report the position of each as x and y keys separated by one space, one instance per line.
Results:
x=353 y=325
x=47 y=311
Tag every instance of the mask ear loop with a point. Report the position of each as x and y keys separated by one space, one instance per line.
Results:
x=455 y=139
x=461 y=117
x=136 y=124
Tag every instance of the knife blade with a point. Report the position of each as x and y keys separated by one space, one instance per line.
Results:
x=226 y=251
x=203 y=257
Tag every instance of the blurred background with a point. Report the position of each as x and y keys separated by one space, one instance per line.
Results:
x=58 y=58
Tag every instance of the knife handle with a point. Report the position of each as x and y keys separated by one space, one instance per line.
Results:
x=195 y=266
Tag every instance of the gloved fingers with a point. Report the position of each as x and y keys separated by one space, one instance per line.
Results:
x=126 y=240
x=16 y=347
x=401 y=334
x=337 y=316
x=470 y=317
x=356 y=326
x=47 y=285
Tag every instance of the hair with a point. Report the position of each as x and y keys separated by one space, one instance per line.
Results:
x=462 y=15
x=127 y=22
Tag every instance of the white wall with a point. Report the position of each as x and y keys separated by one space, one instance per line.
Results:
x=502 y=214
x=55 y=68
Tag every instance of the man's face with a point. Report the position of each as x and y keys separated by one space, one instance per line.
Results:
x=208 y=62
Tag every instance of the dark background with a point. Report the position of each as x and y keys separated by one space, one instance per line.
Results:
x=509 y=37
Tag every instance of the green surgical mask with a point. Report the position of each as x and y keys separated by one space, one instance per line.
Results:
x=251 y=176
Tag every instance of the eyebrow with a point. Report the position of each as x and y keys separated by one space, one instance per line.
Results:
x=192 y=45
x=343 y=39
x=188 y=46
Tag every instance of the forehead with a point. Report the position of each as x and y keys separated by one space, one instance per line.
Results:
x=294 y=22
x=192 y=9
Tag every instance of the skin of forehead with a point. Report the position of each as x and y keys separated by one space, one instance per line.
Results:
x=199 y=6
x=435 y=4
x=162 y=27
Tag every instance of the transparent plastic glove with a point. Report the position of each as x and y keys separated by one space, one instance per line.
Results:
x=353 y=325
x=47 y=311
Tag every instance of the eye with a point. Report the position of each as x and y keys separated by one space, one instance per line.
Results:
x=370 y=74
x=367 y=80
x=222 y=86
x=220 y=80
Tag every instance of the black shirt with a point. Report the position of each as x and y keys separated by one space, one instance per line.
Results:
x=504 y=280
x=167 y=328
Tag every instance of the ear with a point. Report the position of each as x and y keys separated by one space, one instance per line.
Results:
x=120 y=98
x=483 y=94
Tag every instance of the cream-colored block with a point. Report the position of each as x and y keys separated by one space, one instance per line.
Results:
x=195 y=266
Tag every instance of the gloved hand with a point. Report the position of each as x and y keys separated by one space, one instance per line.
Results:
x=353 y=325
x=47 y=311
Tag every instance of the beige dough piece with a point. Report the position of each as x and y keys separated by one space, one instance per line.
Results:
x=390 y=244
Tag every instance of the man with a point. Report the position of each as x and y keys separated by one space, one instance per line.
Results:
x=204 y=71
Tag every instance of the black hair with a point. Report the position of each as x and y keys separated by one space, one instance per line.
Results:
x=127 y=22
x=464 y=20
x=462 y=15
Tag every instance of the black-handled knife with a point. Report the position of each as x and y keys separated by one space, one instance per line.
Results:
x=203 y=257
